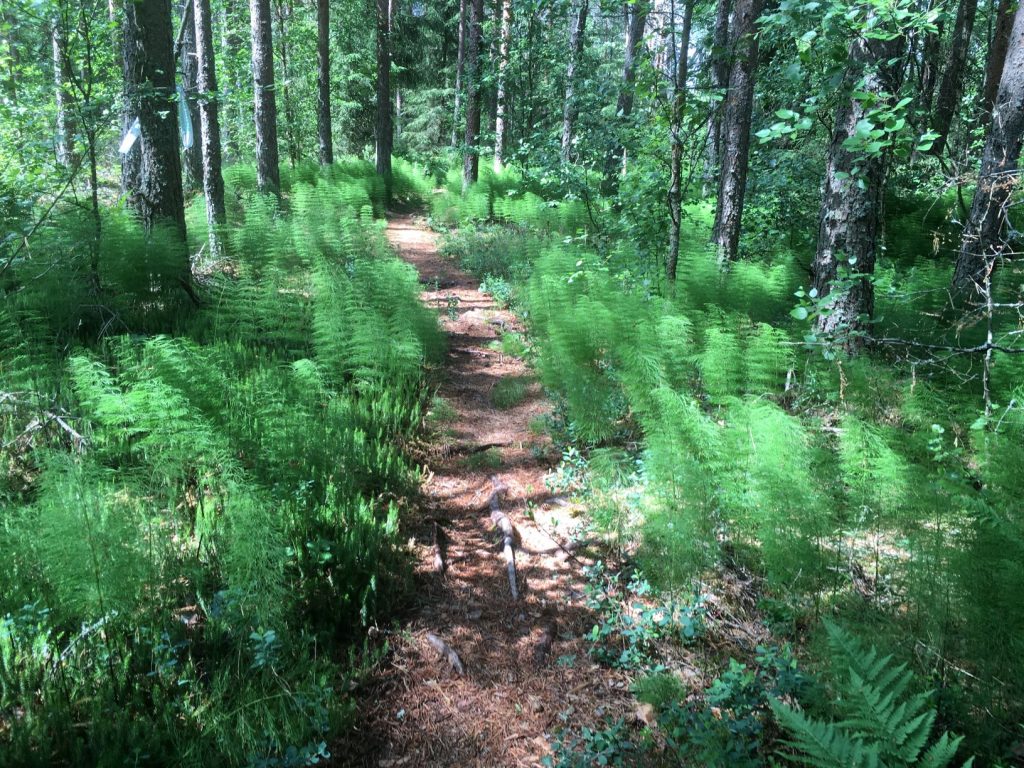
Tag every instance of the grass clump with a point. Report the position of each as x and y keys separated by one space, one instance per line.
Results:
x=510 y=391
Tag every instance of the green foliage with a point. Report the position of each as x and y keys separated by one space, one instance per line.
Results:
x=198 y=513
x=883 y=721
x=610 y=745
x=510 y=391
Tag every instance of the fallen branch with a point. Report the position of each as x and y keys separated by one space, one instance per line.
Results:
x=500 y=519
x=446 y=652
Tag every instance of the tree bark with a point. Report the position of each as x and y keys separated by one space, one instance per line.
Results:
x=849 y=220
x=471 y=156
x=719 y=72
x=997 y=56
x=192 y=158
x=62 y=76
x=951 y=87
x=569 y=108
x=291 y=128
x=735 y=148
x=209 y=121
x=148 y=60
x=385 y=128
x=268 y=164
x=325 y=139
x=675 y=192
x=501 y=114
x=984 y=242
x=459 y=69
x=929 y=74
x=636 y=21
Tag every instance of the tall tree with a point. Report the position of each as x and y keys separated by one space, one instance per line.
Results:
x=997 y=48
x=850 y=209
x=719 y=72
x=325 y=140
x=268 y=168
x=474 y=39
x=983 y=239
x=385 y=129
x=951 y=87
x=62 y=76
x=188 y=60
x=636 y=21
x=928 y=75
x=501 y=114
x=209 y=120
x=569 y=107
x=680 y=55
x=147 y=48
x=460 y=60
x=735 y=150
x=284 y=11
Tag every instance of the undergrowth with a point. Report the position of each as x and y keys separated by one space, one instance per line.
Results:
x=201 y=504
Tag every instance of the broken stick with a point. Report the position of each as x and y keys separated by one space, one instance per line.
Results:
x=500 y=519
x=446 y=652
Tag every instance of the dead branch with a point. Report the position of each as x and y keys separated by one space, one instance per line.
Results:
x=446 y=652
x=500 y=519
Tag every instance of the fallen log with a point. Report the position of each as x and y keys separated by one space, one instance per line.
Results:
x=446 y=651
x=500 y=519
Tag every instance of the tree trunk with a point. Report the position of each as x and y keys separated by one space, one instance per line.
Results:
x=849 y=220
x=569 y=107
x=735 y=147
x=459 y=69
x=636 y=21
x=62 y=76
x=501 y=114
x=951 y=87
x=268 y=164
x=323 y=82
x=192 y=156
x=997 y=56
x=983 y=239
x=719 y=82
x=385 y=129
x=148 y=58
x=471 y=157
x=675 y=192
x=209 y=121
x=929 y=74
x=291 y=126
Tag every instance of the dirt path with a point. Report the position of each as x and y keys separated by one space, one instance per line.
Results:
x=527 y=672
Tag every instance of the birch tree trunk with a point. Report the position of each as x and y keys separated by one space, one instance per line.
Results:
x=325 y=139
x=984 y=241
x=569 y=107
x=192 y=157
x=62 y=76
x=735 y=148
x=501 y=114
x=268 y=164
x=471 y=157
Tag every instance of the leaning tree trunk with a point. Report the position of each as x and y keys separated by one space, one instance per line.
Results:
x=325 y=140
x=471 y=157
x=501 y=113
x=268 y=164
x=735 y=150
x=984 y=241
x=460 y=60
x=636 y=21
x=148 y=58
x=997 y=49
x=209 y=122
x=192 y=156
x=952 y=84
x=849 y=222
x=569 y=107
x=62 y=74
x=719 y=82
x=385 y=132
x=675 y=191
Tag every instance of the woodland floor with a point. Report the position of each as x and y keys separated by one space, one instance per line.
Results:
x=526 y=668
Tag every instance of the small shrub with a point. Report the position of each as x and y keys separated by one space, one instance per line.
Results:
x=510 y=392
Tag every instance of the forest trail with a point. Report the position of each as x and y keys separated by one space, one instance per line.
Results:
x=526 y=668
